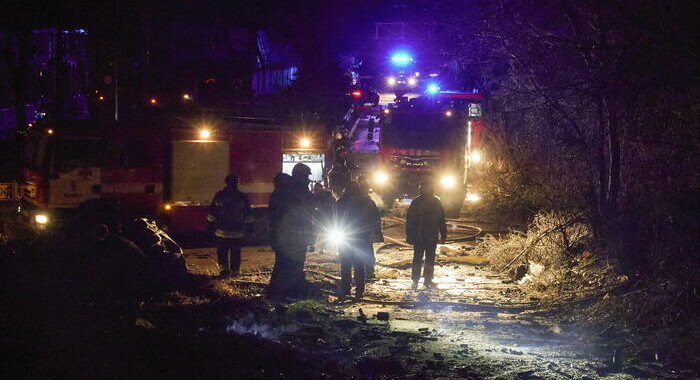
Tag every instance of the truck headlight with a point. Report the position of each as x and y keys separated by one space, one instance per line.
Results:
x=448 y=181
x=41 y=219
x=381 y=178
x=471 y=197
x=475 y=156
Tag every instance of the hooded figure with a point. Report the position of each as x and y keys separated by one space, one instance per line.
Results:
x=229 y=212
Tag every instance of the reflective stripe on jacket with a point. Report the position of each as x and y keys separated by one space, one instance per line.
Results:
x=228 y=234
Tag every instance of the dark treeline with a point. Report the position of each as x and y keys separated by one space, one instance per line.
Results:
x=594 y=110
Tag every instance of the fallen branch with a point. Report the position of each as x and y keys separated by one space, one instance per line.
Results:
x=539 y=237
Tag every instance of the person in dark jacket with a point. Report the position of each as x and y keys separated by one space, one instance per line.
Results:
x=356 y=218
x=425 y=220
x=229 y=212
x=291 y=218
x=324 y=209
x=376 y=235
x=275 y=209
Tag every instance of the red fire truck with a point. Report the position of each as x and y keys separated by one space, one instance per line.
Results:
x=169 y=171
x=201 y=159
x=432 y=138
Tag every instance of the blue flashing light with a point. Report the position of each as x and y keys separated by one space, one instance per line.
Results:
x=432 y=88
x=401 y=58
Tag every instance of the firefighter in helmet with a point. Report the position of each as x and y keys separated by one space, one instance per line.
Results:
x=229 y=212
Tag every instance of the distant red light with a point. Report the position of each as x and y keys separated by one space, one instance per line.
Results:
x=357 y=94
x=210 y=81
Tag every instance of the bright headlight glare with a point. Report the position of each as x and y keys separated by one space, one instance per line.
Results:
x=380 y=177
x=448 y=181
x=411 y=81
x=471 y=197
x=391 y=81
x=41 y=219
x=475 y=156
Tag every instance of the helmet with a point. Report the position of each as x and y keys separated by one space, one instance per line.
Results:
x=301 y=170
x=232 y=180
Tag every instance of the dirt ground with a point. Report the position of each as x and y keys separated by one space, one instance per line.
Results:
x=474 y=324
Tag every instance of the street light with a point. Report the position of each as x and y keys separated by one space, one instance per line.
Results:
x=204 y=134
x=305 y=143
x=186 y=97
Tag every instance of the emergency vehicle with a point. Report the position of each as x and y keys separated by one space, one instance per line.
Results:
x=169 y=172
x=431 y=138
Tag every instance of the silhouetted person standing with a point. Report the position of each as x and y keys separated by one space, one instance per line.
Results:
x=376 y=235
x=425 y=220
x=324 y=208
x=229 y=212
x=357 y=219
x=279 y=199
x=291 y=215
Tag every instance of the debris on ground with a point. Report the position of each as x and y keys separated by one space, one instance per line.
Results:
x=553 y=259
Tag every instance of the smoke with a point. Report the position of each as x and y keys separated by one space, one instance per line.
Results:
x=377 y=199
x=248 y=325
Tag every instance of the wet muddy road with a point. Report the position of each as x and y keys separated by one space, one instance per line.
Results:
x=473 y=324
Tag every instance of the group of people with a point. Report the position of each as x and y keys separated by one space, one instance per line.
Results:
x=299 y=220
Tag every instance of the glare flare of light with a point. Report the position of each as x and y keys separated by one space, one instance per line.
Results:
x=336 y=236
x=433 y=88
x=167 y=207
x=381 y=178
x=391 y=81
x=154 y=101
x=448 y=113
x=204 y=134
x=475 y=156
x=49 y=131
x=186 y=97
x=305 y=143
x=471 y=197
x=448 y=181
x=412 y=81
x=101 y=98
x=386 y=111
x=401 y=58
x=357 y=94
x=41 y=219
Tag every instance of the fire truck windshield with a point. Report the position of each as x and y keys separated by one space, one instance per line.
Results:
x=420 y=130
